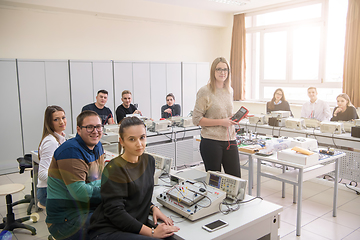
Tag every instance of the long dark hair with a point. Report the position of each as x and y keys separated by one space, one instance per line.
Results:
x=271 y=105
x=125 y=123
x=49 y=124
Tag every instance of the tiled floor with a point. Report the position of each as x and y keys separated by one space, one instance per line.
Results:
x=317 y=220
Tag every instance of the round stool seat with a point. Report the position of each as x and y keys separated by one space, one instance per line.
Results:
x=11 y=188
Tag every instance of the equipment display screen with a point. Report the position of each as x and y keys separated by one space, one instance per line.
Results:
x=214 y=181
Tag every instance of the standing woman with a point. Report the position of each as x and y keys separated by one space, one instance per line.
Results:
x=170 y=109
x=278 y=102
x=213 y=111
x=344 y=111
x=127 y=185
x=53 y=136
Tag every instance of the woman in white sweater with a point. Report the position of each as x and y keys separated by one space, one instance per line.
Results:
x=213 y=111
x=53 y=136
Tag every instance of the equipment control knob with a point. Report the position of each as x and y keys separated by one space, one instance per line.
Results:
x=202 y=190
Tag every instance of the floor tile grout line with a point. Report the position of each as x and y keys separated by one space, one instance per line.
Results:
x=350 y=233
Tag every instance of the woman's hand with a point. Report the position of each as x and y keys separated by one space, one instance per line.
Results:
x=227 y=122
x=157 y=214
x=163 y=230
x=339 y=109
x=168 y=110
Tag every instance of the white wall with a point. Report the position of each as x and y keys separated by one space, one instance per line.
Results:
x=94 y=31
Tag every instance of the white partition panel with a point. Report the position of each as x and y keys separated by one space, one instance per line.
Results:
x=141 y=80
x=103 y=79
x=188 y=87
x=173 y=81
x=123 y=80
x=82 y=92
x=11 y=147
x=158 y=88
x=202 y=74
x=58 y=89
x=33 y=101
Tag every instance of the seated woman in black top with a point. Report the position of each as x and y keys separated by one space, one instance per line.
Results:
x=170 y=109
x=344 y=111
x=278 y=102
x=126 y=191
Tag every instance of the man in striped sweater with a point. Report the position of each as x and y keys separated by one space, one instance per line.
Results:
x=74 y=180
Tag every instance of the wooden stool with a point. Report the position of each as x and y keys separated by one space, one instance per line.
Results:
x=10 y=223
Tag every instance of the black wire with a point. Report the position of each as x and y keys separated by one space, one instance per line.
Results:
x=164 y=135
x=244 y=163
x=357 y=192
x=332 y=137
x=237 y=203
x=279 y=131
x=354 y=182
x=256 y=125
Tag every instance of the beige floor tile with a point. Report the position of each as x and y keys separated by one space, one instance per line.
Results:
x=314 y=208
x=326 y=197
x=289 y=215
x=305 y=235
x=20 y=178
x=41 y=232
x=286 y=228
x=344 y=218
x=327 y=229
x=265 y=191
x=276 y=185
x=352 y=206
x=353 y=236
x=278 y=199
x=5 y=180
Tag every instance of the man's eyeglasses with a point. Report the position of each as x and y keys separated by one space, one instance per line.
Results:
x=222 y=70
x=90 y=128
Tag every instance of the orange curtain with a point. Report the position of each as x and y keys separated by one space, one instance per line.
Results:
x=351 y=78
x=237 y=57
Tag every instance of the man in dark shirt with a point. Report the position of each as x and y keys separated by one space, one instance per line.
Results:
x=99 y=107
x=126 y=107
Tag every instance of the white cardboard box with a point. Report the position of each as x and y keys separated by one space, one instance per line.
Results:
x=307 y=143
x=298 y=158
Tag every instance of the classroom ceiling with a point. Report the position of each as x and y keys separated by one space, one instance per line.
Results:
x=220 y=6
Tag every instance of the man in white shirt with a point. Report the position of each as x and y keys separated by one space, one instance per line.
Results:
x=316 y=108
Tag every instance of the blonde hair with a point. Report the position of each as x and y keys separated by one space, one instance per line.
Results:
x=212 y=79
x=125 y=92
x=312 y=88
x=346 y=97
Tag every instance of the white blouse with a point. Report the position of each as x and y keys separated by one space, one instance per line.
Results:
x=46 y=151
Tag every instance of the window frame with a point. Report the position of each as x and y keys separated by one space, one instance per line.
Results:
x=257 y=83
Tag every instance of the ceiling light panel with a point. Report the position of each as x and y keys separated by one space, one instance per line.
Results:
x=232 y=2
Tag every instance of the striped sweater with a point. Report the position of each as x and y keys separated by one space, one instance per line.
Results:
x=73 y=180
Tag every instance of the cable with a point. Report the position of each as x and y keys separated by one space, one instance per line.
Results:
x=164 y=135
x=332 y=137
x=279 y=131
x=237 y=203
x=354 y=182
x=357 y=192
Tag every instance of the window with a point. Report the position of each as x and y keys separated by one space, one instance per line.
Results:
x=294 y=47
